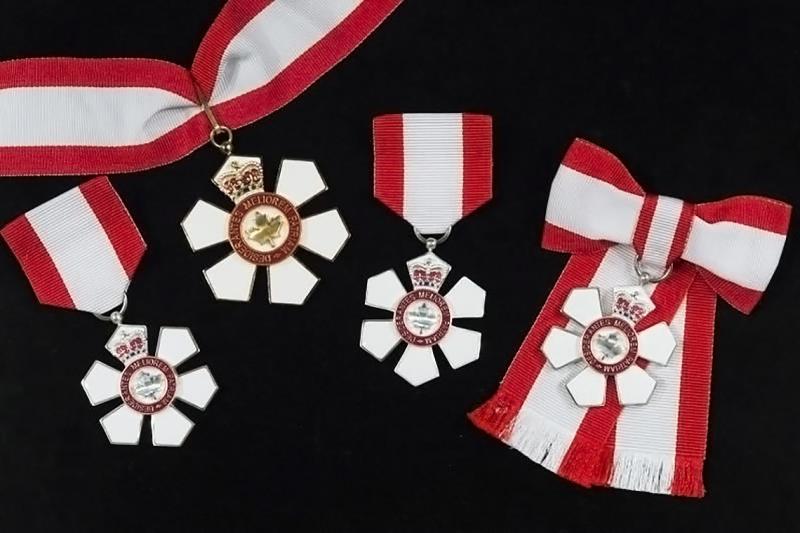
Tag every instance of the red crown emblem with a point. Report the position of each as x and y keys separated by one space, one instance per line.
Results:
x=240 y=176
x=427 y=272
x=632 y=304
x=630 y=310
x=423 y=277
x=128 y=343
x=248 y=179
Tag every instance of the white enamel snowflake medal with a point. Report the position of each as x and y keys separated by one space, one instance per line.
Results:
x=83 y=255
x=609 y=345
x=149 y=385
x=265 y=229
x=423 y=318
x=431 y=169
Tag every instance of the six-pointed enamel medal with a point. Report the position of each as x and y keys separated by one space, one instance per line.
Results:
x=265 y=229
x=422 y=319
x=149 y=385
x=80 y=251
x=609 y=345
x=432 y=170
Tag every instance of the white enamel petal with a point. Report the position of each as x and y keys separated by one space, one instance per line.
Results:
x=290 y=282
x=634 y=386
x=465 y=299
x=384 y=291
x=657 y=343
x=417 y=365
x=583 y=306
x=299 y=181
x=101 y=383
x=379 y=337
x=170 y=427
x=324 y=234
x=197 y=387
x=232 y=278
x=176 y=345
x=205 y=225
x=561 y=347
x=123 y=425
x=461 y=346
x=588 y=388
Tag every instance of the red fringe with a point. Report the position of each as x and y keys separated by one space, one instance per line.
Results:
x=605 y=467
x=688 y=478
x=581 y=463
x=495 y=417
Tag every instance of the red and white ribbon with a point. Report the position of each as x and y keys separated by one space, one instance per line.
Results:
x=433 y=169
x=83 y=116
x=598 y=213
x=80 y=249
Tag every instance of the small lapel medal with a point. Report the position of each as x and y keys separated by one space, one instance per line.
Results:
x=431 y=169
x=264 y=229
x=80 y=251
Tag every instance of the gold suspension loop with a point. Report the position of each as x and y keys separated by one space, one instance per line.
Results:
x=220 y=136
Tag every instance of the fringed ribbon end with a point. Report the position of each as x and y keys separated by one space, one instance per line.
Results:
x=657 y=474
x=495 y=417
x=582 y=464
x=688 y=480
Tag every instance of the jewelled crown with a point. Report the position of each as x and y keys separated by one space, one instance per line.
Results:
x=128 y=343
x=632 y=303
x=240 y=176
x=428 y=272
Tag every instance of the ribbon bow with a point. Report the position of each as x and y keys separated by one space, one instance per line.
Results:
x=598 y=213
x=735 y=244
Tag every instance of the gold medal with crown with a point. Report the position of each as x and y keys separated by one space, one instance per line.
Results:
x=264 y=229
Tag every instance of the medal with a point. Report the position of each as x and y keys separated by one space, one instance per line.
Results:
x=609 y=345
x=431 y=169
x=264 y=229
x=611 y=386
x=80 y=251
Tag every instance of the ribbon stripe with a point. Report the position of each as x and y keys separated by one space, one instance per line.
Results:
x=84 y=116
x=598 y=213
x=433 y=168
x=37 y=264
x=80 y=249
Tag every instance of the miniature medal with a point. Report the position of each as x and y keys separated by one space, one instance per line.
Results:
x=148 y=385
x=432 y=170
x=80 y=251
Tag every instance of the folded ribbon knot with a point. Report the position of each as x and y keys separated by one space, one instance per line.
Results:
x=598 y=213
x=735 y=243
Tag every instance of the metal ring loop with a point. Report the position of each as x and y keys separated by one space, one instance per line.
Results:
x=432 y=242
x=115 y=316
x=222 y=138
x=646 y=277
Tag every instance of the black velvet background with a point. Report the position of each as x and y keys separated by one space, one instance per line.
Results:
x=310 y=433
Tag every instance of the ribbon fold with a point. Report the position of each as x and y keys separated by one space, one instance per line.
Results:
x=86 y=116
x=598 y=213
